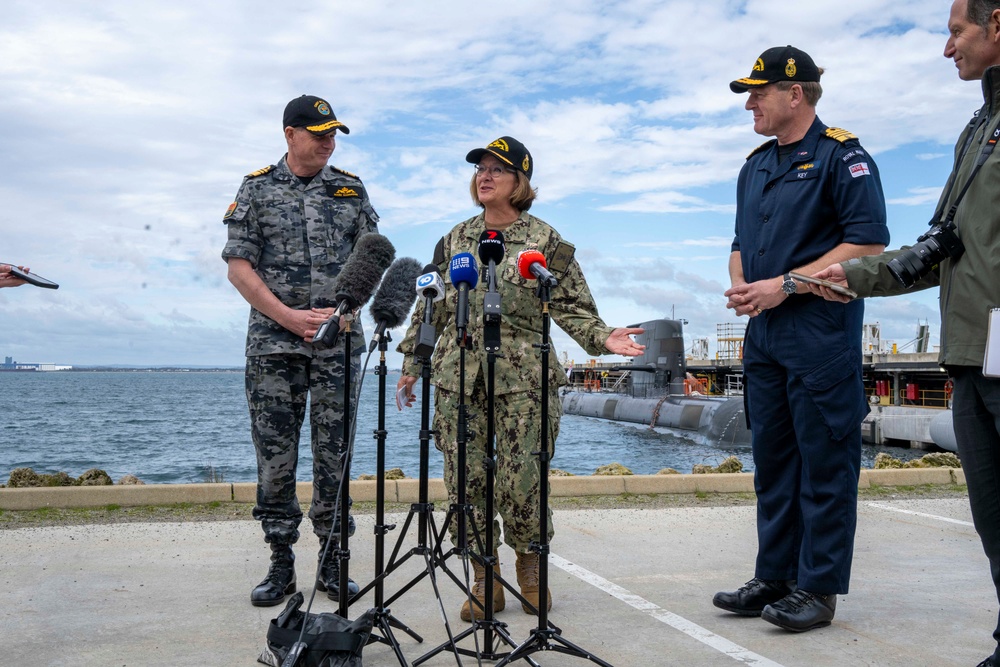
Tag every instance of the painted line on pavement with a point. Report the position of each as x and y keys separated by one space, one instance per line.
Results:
x=693 y=630
x=923 y=514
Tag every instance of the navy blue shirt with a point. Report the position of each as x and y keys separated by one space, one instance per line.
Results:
x=790 y=214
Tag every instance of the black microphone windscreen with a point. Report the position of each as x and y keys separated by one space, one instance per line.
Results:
x=357 y=280
x=491 y=246
x=395 y=296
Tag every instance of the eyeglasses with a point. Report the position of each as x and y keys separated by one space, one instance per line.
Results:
x=495 y=172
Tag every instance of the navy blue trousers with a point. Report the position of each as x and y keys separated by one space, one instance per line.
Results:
x=976 y=414
x=805 y=404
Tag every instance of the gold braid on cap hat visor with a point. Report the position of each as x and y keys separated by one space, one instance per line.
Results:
x=753 y=82
x=499 y=157
x=324 y=126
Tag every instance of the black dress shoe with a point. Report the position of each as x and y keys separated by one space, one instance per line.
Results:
x=751 y=598
x=801 y=610
x=280 y=579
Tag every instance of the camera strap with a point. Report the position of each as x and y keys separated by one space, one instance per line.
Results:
x=984 y=155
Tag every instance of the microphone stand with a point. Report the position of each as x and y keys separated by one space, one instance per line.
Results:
x=423 y=509
x=383 y=618
x=344 y=553
x=493 y=630
x=545 y=637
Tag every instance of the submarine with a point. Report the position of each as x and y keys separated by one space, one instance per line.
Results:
x=656 y=389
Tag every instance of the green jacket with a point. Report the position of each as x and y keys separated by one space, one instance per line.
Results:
x=571 y=306
x=970 y=284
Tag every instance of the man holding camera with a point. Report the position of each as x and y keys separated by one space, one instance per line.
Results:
x=959 y=255
x=809 y=197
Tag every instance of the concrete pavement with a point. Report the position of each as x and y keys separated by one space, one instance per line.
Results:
x=632 y=586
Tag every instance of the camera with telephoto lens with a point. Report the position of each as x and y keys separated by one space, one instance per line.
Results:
x=914 y=263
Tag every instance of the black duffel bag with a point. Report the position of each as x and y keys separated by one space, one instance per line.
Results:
x=329 y=640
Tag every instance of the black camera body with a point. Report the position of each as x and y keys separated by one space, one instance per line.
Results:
x=914 y=263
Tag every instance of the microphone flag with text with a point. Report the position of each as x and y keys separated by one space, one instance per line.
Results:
x=531 y=265
x=357 y=280
x=431 y=287
x=491 y=252
x=464 y=276
x=394 y=298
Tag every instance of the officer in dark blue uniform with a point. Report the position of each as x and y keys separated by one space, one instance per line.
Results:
x=808 y=196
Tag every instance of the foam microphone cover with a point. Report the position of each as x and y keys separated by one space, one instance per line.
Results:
x=463 y=269
x=491 y=246
x=356 y=282
x=395 y=296
x=524 y=261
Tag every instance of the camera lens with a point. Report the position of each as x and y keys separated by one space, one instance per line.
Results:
x=912 y=264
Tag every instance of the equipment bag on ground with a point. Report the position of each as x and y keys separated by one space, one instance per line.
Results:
x=330 y=640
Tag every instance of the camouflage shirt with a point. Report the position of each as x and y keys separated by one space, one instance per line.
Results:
x=297 y=238
x=571 y=306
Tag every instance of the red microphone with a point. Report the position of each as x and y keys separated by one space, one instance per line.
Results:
x=531 y=265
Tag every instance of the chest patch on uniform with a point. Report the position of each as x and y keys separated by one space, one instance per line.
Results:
x=345 y=192
x=859 y=169
x=229 y=211
x=804 y=171
x=562 y=257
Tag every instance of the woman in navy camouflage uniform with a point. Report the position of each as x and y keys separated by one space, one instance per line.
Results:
x=502 y=187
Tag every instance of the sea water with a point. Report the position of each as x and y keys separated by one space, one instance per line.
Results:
x=194 y=426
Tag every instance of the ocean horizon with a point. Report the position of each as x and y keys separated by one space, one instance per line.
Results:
x=188 y=425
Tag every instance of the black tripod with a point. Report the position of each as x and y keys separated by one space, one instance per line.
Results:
x=545 y=637
x=344 y=553
x=422 y=509
x=383 y=618
x=461 y=512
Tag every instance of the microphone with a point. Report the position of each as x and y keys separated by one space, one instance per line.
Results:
x=491 y=247
x=491 y=251
x=430 y=284
x=531 y=265
x=357 y=280
x=394 y=298
x=431 y=287
x=464 y=276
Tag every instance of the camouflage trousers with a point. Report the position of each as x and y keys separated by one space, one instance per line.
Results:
x=518 y=434
x=278 y=388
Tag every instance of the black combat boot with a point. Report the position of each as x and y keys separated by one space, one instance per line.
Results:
x=329 y=575
x=280 y=579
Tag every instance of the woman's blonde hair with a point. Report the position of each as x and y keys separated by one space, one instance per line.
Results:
x=520 y=199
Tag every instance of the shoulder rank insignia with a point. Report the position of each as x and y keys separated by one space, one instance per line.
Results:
x=838 y=134
x=260 y=172
x=763 y=146
x=344 y=172
x=345 y=192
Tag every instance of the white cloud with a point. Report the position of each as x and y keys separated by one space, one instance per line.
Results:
x=918 y=197
x=128 y=126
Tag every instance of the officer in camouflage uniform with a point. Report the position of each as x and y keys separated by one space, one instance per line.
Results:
x=291 y=228
x=501 y=186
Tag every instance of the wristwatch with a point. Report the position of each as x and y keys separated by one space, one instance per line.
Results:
x=788 y=286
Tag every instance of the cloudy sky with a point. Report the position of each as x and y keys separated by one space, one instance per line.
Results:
x=126 y=128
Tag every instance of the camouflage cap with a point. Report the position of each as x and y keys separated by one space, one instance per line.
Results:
x=780 y=63
x=508 y=150
x=314 y=114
